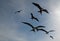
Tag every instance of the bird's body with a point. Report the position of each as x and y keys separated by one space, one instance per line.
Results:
x=32 y=17
x=40 y=8
x=33 y=28
x=18 y=11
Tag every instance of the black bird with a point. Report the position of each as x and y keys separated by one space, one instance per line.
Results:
x=33 y=28
x=47 y=32
x=18 y=11
x=40 y=8
x=51 y=37
x=32 y=17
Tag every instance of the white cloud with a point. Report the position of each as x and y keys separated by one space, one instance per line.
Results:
x=55 y=17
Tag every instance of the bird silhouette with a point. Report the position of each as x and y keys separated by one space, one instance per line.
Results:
x=51 y=37
x=47 y=32
x=32 y=17
x=40 y=8
x=33 y=28
x=18 y=11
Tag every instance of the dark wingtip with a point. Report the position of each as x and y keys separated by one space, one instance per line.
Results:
x=48 y=12
x=31 y=16
x=21 y=22
x=31 y=13
x=33 y=3
x=44 y=26
x=38 y=20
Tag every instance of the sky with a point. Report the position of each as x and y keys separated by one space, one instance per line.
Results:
x=11 y=28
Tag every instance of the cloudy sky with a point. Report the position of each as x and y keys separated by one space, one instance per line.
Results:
x=11 y=28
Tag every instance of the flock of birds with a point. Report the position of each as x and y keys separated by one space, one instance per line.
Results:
x=37 y=28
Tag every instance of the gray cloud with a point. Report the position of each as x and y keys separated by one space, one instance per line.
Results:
x=9 y=26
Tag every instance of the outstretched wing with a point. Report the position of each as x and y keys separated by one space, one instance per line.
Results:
x=51 y=30
x=31 y=14
x=51 y=37
x=36 y=19
x=40 y=26
x=43 y=30
x=28 y=24
x=45 y=10
x=37 y=5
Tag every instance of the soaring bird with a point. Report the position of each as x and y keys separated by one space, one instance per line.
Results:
x=18 y=11
x=51 y=37
x=47 y=32
x=33 y=28
x=40 y=8
x=32 y=17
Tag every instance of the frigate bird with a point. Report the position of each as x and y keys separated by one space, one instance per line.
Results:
x=33 y=28
x=40 y=8
x=51 y=37
x=32 y=17
x=18 y=11
x=47 y=32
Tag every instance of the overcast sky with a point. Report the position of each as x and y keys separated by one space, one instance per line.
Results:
x=11 y=28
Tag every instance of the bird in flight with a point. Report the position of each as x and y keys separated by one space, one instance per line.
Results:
x=47 y=32
x=18 y=11
x=40 y=8
x=51 y=37
x=32 y=17
x=33 y=28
